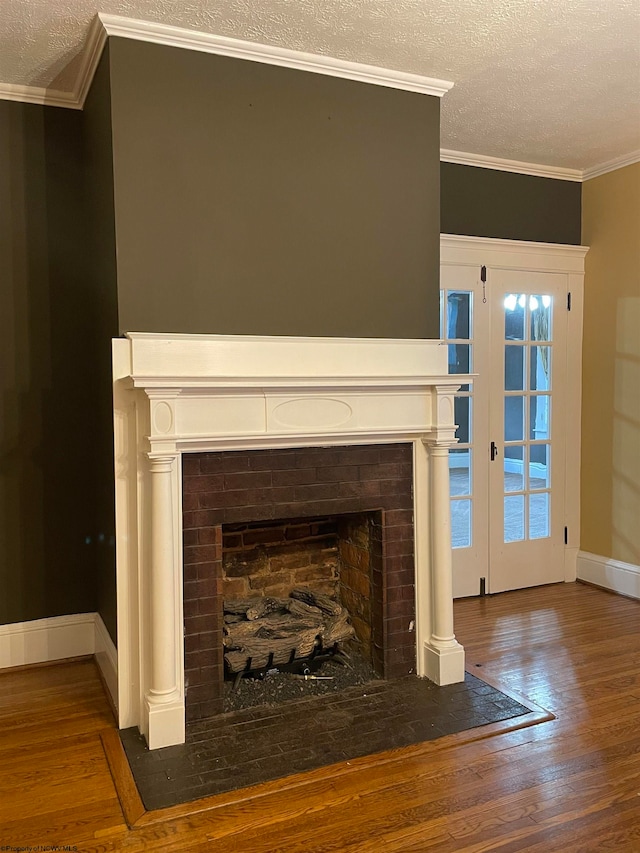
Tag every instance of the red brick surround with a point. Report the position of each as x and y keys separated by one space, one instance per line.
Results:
x=243 y=486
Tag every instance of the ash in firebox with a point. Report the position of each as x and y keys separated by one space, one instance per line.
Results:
x=277 y=687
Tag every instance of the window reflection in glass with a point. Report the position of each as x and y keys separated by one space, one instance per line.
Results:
x=461 y=524
x=458 y=314
x=540 y=310
x=513 y=418
x=514 y=367
x=539 y=467
x=539 y=407
x=514 y=518
x=462 y=416
x=514 y=468
x=515 y=306
x=459 y=358
x=539 y=368
x=539 y=516
x=459 y=471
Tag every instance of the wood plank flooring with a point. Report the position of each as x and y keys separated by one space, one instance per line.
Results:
x=571 y=784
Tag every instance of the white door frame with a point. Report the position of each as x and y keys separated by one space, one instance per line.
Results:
x=456 y=250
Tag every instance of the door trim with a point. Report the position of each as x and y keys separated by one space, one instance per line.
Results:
x=461 y=250
x=512 y=254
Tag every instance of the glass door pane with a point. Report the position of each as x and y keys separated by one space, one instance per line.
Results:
x=527 y=412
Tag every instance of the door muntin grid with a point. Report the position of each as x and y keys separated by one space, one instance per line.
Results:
x=528 y=391
x=456 y=330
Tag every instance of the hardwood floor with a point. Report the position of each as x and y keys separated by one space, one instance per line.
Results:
x=570 y=784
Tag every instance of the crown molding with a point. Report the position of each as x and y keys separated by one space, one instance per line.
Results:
x=93 y=47
x=104 y=25
x=611 y=165
x=557 y=172
x=500 y=164
x=115 y=25
x=75 y=98
x=38 y=95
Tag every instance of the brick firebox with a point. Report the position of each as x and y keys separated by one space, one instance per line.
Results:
x=231 y=487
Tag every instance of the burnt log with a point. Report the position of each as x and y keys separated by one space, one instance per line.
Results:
x=317 y=599
x=299 y=608
x=262 y=606
x=257 y=653
x=338 y=630
x=237 y=606
x=253 y=608
x=275 y=625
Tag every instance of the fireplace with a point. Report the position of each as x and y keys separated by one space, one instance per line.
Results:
x=365 y=496
x=219 y=437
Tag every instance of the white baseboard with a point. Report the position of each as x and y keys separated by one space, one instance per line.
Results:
x=47 y=639
x=623 y=578
x=570 y=563
x=107 y=659
x=60 y=637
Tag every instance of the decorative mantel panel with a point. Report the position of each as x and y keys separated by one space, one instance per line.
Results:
x=175 y=394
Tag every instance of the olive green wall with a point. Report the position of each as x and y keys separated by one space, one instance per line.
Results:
x=58 y=306
x=253 y=199
x=102 y=315
x=611 y=366
x=46 y=358
x=488 y=203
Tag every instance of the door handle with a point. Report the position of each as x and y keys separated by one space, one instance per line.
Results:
x=494 y=451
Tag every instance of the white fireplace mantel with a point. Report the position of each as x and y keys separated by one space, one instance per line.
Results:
x=186 y=393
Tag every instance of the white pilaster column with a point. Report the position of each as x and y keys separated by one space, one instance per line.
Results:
x=163 y=700
x=444 y=656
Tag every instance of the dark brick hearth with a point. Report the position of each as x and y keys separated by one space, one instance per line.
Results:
x=231 y=488
x=232 y=751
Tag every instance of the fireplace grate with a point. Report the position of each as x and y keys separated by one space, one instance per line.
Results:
x=306 y=665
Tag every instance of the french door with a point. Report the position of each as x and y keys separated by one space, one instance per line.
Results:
x=507 y=473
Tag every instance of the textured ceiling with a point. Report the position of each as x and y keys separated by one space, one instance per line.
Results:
x=554 y=82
